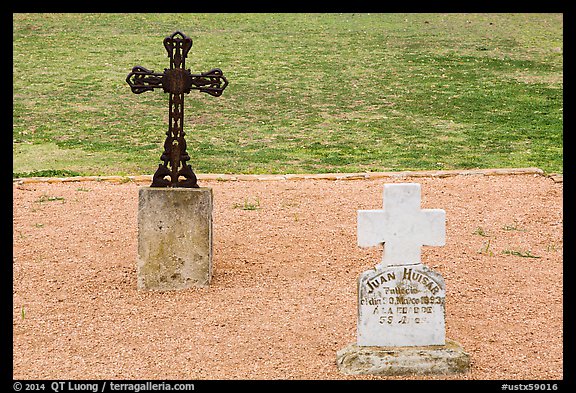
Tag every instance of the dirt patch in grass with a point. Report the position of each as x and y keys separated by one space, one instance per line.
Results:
x=283 y=296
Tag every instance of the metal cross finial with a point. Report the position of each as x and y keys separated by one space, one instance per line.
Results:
x=177 y=81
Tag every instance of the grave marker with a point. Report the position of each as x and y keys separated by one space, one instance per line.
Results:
x=174 y=213
x=176 y=80
x=401 y=305
x=401 y=313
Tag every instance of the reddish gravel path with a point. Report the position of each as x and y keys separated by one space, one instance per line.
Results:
x=282 y=299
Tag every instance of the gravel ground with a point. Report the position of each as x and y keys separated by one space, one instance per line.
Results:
x=283 y=295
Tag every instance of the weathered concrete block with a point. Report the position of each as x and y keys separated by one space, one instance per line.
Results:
x=394 y=361
x=174 y=238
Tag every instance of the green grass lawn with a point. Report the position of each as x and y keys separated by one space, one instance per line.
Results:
x=308 y=92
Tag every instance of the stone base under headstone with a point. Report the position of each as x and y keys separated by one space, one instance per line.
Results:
x=394 y=361
x=174 y=238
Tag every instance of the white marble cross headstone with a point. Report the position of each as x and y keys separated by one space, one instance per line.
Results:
x=401 y=301
x=401 y=226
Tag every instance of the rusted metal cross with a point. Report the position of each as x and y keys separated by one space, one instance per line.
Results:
x=176 y=81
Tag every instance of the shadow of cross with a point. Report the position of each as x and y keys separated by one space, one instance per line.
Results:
x=401 y=226
x=176 y=81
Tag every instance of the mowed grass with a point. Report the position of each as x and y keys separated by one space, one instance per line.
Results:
x=308 y=92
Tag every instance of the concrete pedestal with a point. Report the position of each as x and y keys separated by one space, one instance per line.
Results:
x=426 y=360
x=174 y=238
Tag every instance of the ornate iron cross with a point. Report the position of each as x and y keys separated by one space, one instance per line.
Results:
x=176 y=81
